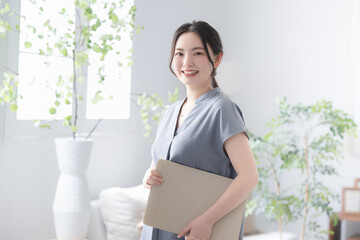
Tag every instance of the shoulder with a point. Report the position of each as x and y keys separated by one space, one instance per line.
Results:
x=224 y=107
x=223 y=103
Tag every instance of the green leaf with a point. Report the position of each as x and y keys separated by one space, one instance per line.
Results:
x=73 y=128
x=14 y=107
x=27 y=44
x=7 y=7
x=49 y=50
x=52 y=110
x=64 y=52
x=43 y=126
x=83 y=4
x=7 y=98
x=88 y=10
x=97 y=97
x=46 y=23
x=57 y=103
x=106 y=37
x=66 y=123
x=67 y=102
x=36 y=123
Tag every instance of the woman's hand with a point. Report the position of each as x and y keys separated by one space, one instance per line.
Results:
x=199 y=228
x=152 y=178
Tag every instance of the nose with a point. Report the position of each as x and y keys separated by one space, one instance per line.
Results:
x=188 y=60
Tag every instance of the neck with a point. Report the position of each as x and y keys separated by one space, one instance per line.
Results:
x=194 y=92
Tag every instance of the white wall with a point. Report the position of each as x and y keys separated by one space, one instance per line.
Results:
x=272 y=48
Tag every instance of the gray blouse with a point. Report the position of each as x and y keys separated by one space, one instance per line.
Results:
x=198 y=142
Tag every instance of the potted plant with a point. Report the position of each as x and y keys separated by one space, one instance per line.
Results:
x=76 y=39
x=306 y=141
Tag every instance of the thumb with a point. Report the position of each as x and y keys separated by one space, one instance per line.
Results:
x=184 y=231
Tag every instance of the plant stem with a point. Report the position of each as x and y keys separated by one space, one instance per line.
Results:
x=75 y=94
x=278 y=194
x=306 y=187
x=97 y=123
x=9 y=70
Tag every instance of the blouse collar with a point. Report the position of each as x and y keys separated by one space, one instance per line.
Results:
x=213 y=92
x=209 y=94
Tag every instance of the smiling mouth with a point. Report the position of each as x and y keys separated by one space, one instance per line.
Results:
x=189 y=73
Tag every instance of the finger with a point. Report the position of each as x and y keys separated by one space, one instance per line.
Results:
x=156 y=173
x=184 y=231
x=152 y=182
x=155 y=178
x=147 y=186
x=188 y=237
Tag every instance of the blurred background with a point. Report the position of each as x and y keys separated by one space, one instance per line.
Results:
x=303 y=50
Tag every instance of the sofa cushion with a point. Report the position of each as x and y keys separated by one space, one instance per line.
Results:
x=122 y=210
x=272 y=236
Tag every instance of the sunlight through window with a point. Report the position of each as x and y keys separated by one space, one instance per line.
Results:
x=41 y=66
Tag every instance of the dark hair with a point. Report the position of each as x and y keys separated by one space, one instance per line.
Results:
x=208 y=35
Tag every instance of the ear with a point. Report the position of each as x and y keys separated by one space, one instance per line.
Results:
x=218 y=59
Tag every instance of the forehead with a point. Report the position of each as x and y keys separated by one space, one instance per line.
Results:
x=189 y=40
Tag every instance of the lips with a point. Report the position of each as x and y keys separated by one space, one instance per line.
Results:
x=190 y=73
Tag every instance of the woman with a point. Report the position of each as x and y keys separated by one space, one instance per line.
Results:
x=205 y=130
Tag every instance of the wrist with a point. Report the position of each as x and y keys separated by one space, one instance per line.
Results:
x=208 y=218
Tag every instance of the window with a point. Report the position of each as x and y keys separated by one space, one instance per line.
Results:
x=37 y=97
x=117 y=83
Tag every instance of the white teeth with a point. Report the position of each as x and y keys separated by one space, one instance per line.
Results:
x=190 y=72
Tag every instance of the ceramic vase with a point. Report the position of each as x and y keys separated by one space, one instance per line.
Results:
x=72 y=203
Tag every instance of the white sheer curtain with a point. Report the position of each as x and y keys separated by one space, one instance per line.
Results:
x=352 y=77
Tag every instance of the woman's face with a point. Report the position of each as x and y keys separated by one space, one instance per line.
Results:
x=190 y=62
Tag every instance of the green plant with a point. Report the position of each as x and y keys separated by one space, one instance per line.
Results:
x=152 y=107
x=75 y=39
x=304 y=141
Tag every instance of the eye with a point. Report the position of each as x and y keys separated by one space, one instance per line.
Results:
x=178 y=54
x=198 y=53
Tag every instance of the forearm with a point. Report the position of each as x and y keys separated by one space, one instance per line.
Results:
x=234 y=195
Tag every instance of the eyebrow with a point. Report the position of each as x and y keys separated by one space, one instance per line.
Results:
x=195 y=48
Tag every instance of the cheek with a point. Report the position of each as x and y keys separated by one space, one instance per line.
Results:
x=176 y=65
x=205 y=64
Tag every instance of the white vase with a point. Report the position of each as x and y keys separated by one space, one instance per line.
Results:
x=72 y=203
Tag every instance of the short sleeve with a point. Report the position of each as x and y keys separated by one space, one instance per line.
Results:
x=231 y=120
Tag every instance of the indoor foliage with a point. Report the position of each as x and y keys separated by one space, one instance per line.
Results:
x=152 y=107
x=303 y=146
x=71 y=44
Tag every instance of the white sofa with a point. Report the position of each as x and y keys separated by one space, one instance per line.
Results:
x=118 y=213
